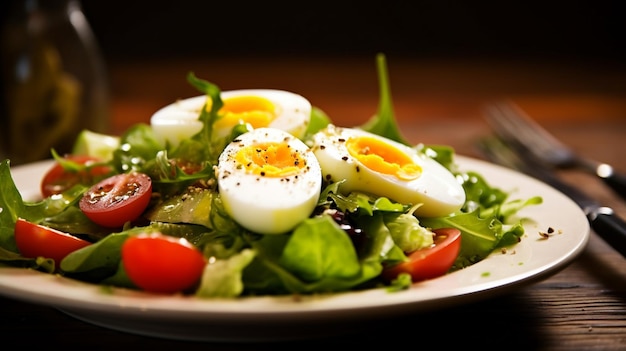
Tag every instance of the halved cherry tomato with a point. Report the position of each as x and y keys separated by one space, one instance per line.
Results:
x=430 y=262
x=58 y=179
x=35 y=240
x=117 y=199
x=162 y=264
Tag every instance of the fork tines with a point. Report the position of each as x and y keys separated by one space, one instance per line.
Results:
x=514 y=126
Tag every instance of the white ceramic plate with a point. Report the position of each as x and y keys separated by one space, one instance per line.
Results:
x=272 y=318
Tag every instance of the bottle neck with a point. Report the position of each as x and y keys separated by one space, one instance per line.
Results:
x=37 y=15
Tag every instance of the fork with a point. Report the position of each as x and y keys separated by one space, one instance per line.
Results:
x=602 y=219
x=514 y=126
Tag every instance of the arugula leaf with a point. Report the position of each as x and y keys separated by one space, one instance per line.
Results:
x=484 y=219
x=208 y=117
x=384 y=122
x=479 y=235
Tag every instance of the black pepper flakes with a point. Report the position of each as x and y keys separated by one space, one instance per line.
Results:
x=546 y=234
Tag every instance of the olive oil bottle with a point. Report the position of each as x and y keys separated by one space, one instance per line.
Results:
x=53 y=79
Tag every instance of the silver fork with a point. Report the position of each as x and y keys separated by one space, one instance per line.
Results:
x=604 y=221
x=515 y=127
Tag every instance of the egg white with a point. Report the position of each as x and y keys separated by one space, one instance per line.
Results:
x=259 y=201
x=178 y=121
x=434 y=187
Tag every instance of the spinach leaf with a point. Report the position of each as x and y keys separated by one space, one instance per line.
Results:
x=11 y=207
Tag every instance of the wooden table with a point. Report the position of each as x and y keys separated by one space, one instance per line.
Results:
x=582 y=307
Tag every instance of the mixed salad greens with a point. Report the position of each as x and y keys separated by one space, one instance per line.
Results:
x=347 y=243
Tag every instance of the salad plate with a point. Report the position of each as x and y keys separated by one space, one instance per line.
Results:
x=266 y=318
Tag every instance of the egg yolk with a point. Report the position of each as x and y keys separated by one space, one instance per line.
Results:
x=255 y=110
x=270 y=159
x=381 y=157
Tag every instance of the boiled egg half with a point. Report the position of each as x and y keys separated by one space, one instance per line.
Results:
x=269 y=180
x=258 y=107
x=376 y=165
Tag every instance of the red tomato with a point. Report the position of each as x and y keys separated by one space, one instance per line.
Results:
x=430 y=262
x=117 y=199
x=35 y=240
x=58 y=179
x=162 y=264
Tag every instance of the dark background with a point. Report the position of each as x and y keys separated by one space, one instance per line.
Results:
x=451 y=29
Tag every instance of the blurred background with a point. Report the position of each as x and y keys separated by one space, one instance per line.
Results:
x=580 y=30
x=445 y=58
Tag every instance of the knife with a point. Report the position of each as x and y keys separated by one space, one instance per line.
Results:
x=602 y=219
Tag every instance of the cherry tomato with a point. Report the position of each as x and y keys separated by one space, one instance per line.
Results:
x=430 y=262
x=59 y=179
x=117 y=199
x=35 y=240
x=162 y=264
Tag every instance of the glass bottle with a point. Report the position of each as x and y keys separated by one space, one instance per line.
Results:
x=53 y=80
